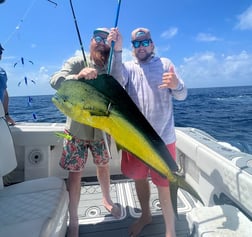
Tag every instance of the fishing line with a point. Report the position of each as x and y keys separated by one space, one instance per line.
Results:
x=78 y=33
x=21 y=21
x=17 y=28
x=11 y=35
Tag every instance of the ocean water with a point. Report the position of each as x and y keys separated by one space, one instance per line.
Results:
x=225 y=113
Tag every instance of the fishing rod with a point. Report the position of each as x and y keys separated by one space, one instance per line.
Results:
x=78 y=33
x=113 y=43
x=110 y=56
x=109 y=69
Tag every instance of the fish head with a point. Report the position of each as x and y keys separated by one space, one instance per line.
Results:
x=80 y=101
x=63 y=103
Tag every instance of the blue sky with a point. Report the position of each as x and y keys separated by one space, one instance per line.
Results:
x=209 y=41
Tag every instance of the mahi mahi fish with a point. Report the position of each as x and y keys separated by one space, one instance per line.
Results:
x=104 y=104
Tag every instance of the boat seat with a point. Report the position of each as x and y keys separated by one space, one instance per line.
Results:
x=34 y=208
x=222 y=220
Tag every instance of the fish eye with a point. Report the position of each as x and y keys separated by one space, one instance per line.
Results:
x=64 y=98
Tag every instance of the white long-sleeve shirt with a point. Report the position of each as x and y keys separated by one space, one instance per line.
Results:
x=141 y=81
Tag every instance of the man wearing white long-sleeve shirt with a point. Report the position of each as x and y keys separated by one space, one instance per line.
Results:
x=152 y=84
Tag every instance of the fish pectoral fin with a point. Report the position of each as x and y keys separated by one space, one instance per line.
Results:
x=98 y=113
x=101 y=112
x=118 y=147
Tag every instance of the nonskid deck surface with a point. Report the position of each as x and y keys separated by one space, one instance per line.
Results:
x=96 y=221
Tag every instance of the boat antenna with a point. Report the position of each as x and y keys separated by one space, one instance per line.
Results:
x=113 y=43
x=78 y=33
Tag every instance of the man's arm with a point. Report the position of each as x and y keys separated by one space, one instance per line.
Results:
x=6 y=108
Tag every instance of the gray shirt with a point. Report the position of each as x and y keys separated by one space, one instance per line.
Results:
x=71 y=67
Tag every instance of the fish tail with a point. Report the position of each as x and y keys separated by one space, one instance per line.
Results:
x=174 y=196
x=181 y=183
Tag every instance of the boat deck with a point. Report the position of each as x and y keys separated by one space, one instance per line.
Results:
x=96 y=221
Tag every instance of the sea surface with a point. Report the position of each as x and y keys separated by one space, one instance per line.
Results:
x=224 y=112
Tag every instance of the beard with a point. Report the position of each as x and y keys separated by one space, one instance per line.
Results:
x=144 y=57
x=99 y=53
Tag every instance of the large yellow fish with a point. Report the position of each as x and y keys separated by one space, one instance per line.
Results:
x=102 y=103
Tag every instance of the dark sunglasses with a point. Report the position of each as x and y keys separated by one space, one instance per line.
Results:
x=99 y=39
x=145 y=43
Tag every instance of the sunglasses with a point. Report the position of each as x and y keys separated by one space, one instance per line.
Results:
x=99 y=39
x=144 y=43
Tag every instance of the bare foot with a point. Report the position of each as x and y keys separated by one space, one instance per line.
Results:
x=138 y=225
x=73 y=231
x=112 y=208
x=73 y=227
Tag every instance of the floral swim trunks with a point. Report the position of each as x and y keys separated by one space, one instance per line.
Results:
x=75 y=153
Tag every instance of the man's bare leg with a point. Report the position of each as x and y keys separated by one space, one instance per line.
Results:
x=103 y=175
x=143 y=194
x=74 y=186
x=168 y=214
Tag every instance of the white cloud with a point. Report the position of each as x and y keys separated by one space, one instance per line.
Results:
x=211 y=70
x=201 y=58
x=43 y=69
x=245 y=20
x=33 y=46
x=205 y=69
x=206 y=37
x=78 y=52
x=169 y=33
x=127 y=55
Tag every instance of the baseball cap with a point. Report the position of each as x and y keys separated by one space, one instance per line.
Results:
x=101 y=30
x=140 y=34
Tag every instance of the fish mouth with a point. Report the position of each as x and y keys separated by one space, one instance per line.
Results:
x=56 y=99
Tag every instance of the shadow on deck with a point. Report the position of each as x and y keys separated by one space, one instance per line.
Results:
x=96 y=221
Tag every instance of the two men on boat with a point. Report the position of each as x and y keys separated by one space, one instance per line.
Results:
x=152 y=83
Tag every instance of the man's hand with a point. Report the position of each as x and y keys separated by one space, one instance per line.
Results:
x=169 y=79
x=87 y=73
x=115 y=36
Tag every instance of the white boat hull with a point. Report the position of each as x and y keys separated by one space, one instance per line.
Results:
x=221 y=174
